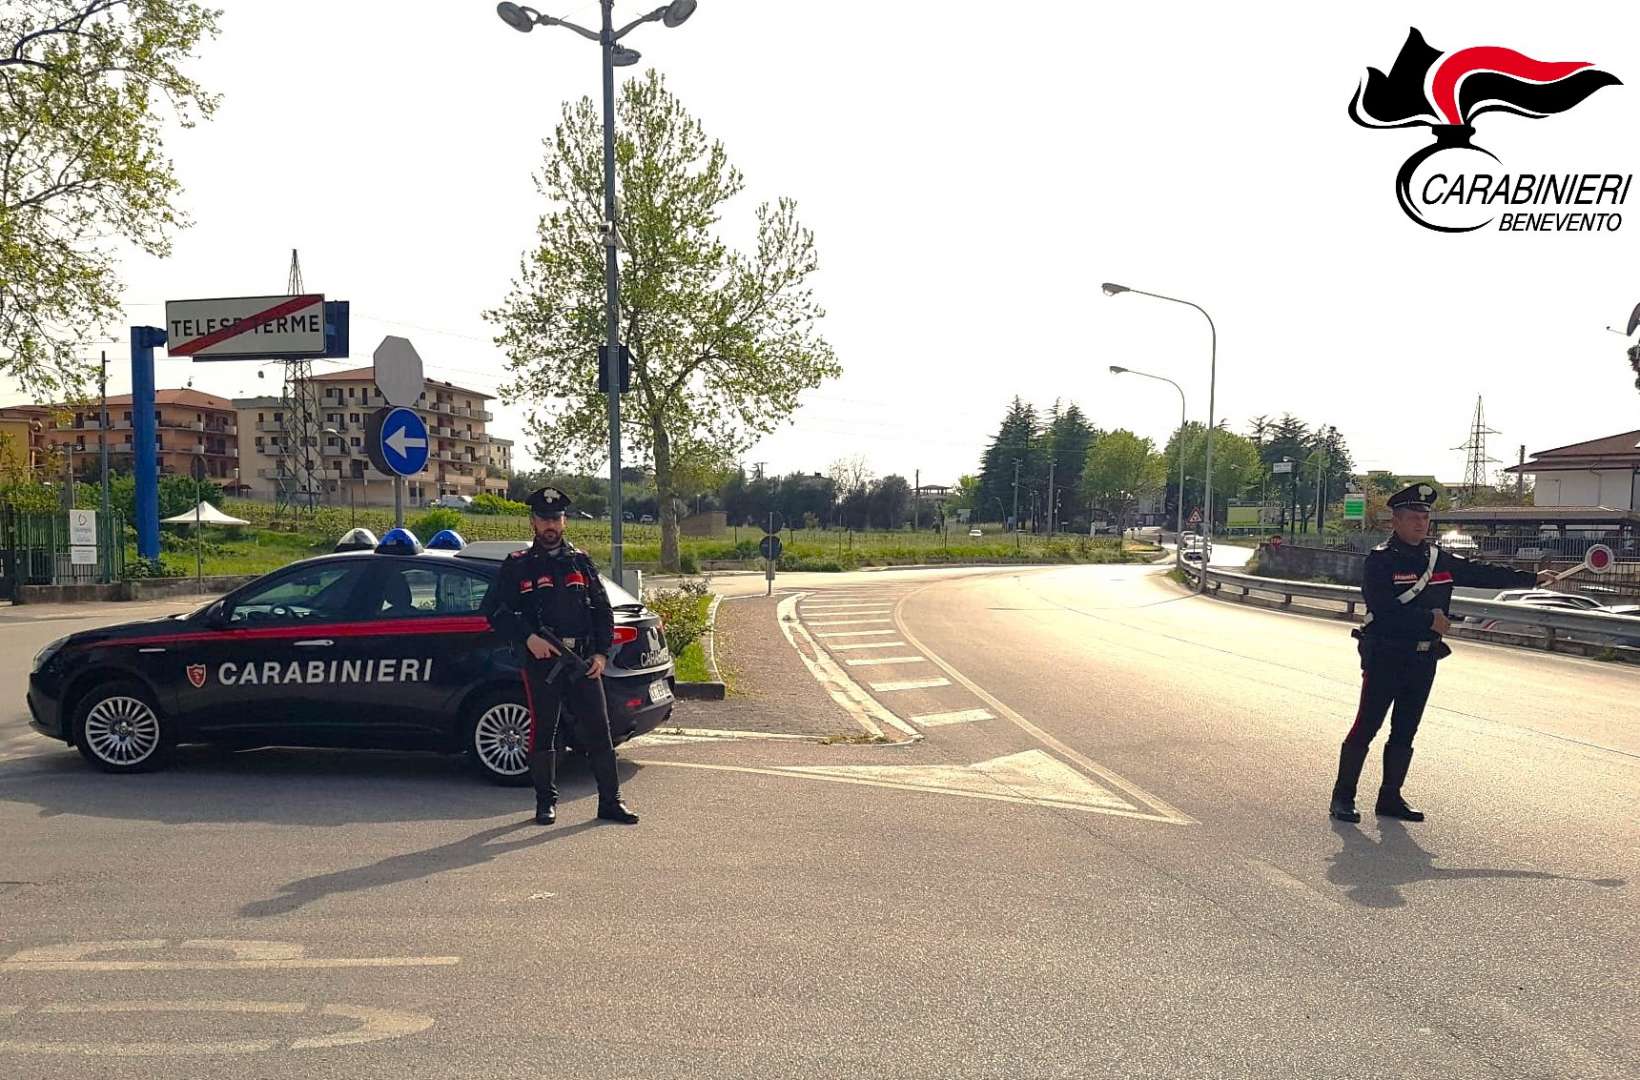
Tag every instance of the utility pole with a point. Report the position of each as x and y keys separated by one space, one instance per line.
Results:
x=916 y=503
x=1520 y=477
x=106 y=526
x=1051 y=514
x=1016 y=495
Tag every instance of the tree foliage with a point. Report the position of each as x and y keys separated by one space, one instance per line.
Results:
x=85 y=89
x=1121 y=469
x=722 y=342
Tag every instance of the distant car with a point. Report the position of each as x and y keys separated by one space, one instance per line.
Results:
x=1544 y=598
x=453 y=502
x=647 y=519
x=1458 y=543
x=975 y=533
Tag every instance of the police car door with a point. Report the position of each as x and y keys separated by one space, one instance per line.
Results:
x=428 y=645
x=263 y=664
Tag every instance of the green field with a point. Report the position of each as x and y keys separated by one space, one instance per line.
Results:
x=262 y=546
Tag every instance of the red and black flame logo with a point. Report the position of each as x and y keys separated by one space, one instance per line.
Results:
x=1446 y=91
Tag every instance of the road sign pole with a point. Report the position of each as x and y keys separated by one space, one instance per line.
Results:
x=145 y=462
x=612 y=300
x=398 y=502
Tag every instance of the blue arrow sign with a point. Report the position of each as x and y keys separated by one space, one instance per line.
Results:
x=404 y=442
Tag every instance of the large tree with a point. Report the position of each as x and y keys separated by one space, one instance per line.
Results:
x=722 y=342
x=1018 y=439
x=86 y=87
x=1066 y=440
x=1122 y=468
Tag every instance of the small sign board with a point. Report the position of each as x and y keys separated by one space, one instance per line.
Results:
x=398 y=371
x=769 y=547
x=1282 y=467
x=82 y=528
x=1599 y=558
x=1195 y=517
x=1355 y=507
x=82 y=556
x=773 y=523
x=246 y=327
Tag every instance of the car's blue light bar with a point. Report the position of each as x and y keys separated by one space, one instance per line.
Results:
x=399 y=542
x=447 y=540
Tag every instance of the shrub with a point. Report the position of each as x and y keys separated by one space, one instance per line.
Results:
x=488 y=503
x=683 y=610
x=136 y=569
x=687 y=563
x=435 y=521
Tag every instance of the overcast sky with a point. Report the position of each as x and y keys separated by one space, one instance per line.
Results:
x=972 y=172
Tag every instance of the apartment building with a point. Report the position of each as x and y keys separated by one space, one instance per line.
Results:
x=186 y=423
x=463 y=457
x=21 y=446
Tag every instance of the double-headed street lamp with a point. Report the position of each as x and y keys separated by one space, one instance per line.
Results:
x=1111 y=289
x=524 y=19
x=1178 y=546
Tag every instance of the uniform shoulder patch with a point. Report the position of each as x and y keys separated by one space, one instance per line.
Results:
x=1382 y=547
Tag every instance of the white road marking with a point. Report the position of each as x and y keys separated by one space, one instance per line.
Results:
x=853 y=633
x=669 y=736
x=374 y=1025
x=1031 y=778
x=962 y=716
x=868 y=644
x=864 y=660
x=1165 y=810
x=909 y=684
x=865 y=709
x=846 y=609
x=247 y=956
x=850 y=622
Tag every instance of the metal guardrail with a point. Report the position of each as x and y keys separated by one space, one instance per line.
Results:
x=1602 y=626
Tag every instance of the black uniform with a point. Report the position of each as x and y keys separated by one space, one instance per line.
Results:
x=559 y=589
x=1399 y=649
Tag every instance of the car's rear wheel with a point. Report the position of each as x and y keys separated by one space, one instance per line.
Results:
x=119 y=730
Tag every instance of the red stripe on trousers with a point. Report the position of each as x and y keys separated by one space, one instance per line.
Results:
x=529 y=703
x=1360 y=710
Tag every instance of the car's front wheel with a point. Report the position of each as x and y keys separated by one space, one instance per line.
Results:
x=119 y=730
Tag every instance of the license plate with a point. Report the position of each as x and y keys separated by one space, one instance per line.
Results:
x=659 y=692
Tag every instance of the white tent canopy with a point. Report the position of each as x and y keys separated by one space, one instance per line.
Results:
x=208 y=515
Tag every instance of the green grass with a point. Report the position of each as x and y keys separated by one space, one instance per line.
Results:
x=266 y=546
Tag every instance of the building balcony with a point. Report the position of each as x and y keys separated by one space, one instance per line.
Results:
x=444 y=432
x=273 y=426
x=440 y=406
x=484 y=415
x=482 y=436
x=122 y=425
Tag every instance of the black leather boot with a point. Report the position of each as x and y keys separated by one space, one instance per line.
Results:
x=616 y=810
x=1397 y=759
x=1350 y=760
x=546 y=811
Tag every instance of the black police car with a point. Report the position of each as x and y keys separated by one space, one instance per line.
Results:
x=378 y=648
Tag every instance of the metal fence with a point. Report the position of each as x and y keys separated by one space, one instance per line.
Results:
x=35 y=550
x=1518 y=623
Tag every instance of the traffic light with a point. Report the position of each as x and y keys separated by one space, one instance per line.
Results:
x=603 y=369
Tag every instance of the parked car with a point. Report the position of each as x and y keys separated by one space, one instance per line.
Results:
x=453 y=502
x=1459 y=543
x=380 y=648
x=1547 y=599
x=975 y=532
x=647 y=519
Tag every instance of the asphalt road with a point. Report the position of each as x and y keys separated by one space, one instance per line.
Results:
x=1096 y=847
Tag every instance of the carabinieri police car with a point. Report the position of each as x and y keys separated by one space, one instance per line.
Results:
x=376 y=645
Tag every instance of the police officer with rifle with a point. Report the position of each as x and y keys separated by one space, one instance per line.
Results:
x=1407 y=583
x=550 y=602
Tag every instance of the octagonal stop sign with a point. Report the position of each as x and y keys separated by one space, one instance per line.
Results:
x=1598 y=558
x=398 y=371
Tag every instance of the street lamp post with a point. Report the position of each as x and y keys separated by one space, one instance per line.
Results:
x=1111 y=289
x=1178 y=534
x=524 y=19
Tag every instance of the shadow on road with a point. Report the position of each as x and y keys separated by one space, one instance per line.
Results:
x=279 y=786
x=396 y=869
x=1374 y=871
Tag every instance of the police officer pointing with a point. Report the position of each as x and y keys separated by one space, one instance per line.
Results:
x=1407 y=583
x=553 y=588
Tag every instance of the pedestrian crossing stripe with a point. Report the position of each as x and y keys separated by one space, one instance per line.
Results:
x=961 y=716
x=909 y=684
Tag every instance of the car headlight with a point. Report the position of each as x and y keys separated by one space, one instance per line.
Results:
x=44 y=656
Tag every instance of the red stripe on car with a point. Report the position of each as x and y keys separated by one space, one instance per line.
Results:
x=438 y=624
